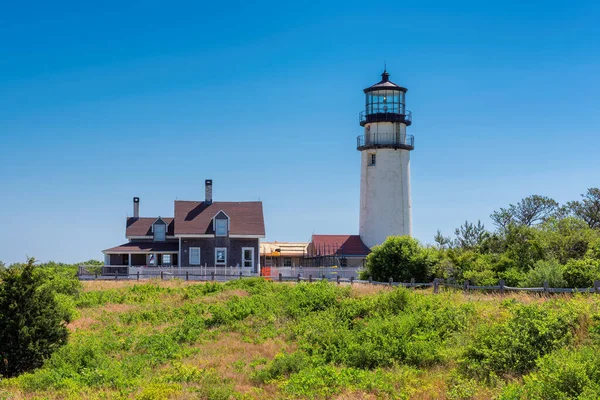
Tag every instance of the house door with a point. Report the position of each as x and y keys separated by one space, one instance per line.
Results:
x=248 y=258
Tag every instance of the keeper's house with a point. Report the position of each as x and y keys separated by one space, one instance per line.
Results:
x=201 y=234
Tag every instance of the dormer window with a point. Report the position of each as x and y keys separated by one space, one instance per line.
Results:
x=159 y=228
x=221 y=224
x=221 y=227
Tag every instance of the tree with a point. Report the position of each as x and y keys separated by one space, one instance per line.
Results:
x=32 y=324
x=470 y=236
x=443 y=242
x=588 y=209
x=530 y=211
x=400 y=258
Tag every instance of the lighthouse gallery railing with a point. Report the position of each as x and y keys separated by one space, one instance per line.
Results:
x=393 y=140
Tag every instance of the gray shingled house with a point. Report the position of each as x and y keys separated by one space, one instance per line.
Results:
x=202 y=234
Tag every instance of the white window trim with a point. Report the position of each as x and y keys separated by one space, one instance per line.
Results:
x=244 y=261
x=170 y=259
x=199 y=256
x=218 y=249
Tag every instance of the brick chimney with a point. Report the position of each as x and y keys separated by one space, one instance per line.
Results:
x=208 y=190
x=136 y=207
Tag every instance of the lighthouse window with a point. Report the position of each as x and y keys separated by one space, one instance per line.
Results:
x=372 y=159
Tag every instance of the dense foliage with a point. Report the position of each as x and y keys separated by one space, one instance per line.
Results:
x=253 y=338
x=535 y=241
x=32 y=318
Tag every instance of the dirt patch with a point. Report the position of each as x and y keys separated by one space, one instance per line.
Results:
x=231 y=357
x=81 y=323
x=365 y=289
x=89 y=286
x=119 y=308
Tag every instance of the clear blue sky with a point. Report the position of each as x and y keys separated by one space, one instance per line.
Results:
x=102 y=102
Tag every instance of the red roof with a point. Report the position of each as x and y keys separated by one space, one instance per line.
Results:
x=350 y=245
x=196 y=217
x=143 y=226
x=145 y=247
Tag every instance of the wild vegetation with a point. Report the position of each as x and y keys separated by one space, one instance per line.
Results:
x=534 y=241
x=254 y=338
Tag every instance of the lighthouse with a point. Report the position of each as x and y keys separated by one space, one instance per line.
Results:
x=385 y=204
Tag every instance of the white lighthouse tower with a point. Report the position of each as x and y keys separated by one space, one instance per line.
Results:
x=385 y=205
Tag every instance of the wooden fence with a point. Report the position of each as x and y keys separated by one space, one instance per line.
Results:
x=436 y=284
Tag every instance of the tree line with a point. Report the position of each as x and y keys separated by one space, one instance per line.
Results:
x=534 y=240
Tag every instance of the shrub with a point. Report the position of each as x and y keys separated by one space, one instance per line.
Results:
x=564 y=374
x=306 y=298
x=581 y=273
x=514 y=345
x=400 y=258
x=32 y=324
x=545 y=271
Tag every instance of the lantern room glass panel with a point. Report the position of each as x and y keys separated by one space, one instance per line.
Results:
x=385 y=101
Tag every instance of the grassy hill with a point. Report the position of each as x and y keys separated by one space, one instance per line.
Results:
x=255 y=339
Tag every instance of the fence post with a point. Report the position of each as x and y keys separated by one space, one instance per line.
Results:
x=337 y=278
x=351 y=280
x=212 y=275
x=412 y=282
x=116 y=276
x=240 y=274
x=187 y=275
x=161 y=275
x=138 y=275
x=391 y=281
x=501 y=283
x=280 y=277
x=298 y=277
x=310 y=278
x=467 y=285
x=597 y=286
x=436 y=286
x=370 y=279
x=546 y=286
x=96 y=276
x=322 y=276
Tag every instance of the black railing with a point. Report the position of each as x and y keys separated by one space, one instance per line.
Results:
x=383 y=140
x=381 y=115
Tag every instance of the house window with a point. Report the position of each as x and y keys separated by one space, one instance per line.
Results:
x=371 y=159
x=220 y=256
x=287 y=261
x=194 y=255
x=221 y=227
x=159 y=232
x=248 y=257
x=166 y=259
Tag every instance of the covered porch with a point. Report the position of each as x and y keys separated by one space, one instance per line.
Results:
x=131 y=257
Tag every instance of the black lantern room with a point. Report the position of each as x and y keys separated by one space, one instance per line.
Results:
x=385 y=102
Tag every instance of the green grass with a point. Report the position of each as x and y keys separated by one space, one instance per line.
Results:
x=256 y=339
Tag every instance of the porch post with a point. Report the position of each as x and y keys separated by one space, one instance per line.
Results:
x=129 y=264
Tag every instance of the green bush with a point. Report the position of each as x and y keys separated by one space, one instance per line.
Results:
x=513 y=346
x=582 y=273
x=400 y=258
x=545 y=271
x=565 y=374
x=32 y=323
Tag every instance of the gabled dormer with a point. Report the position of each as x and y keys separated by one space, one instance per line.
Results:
x=221 y=224
x=159 y=230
